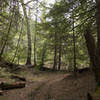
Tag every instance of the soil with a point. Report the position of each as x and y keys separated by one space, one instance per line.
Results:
x=53 y=86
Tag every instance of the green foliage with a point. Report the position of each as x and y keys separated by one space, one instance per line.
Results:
x=56 y=19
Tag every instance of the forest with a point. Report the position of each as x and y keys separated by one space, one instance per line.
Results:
x=50 y=49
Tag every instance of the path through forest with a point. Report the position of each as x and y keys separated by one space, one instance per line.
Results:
x=54 y=86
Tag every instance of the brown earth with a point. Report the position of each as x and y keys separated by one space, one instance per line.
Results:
x=53 y=86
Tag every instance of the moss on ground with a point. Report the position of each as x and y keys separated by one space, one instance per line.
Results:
x=97 y=92
x=96 y=95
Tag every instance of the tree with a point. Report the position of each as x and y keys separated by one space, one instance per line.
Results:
x=98 y=22
x=55 y=52
x=60 y=54
x=11 y=16
x=28 y=62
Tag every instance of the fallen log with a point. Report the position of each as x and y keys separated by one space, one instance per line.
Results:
x=7 y=86
x=45 y=69
x=19 y=78
x=83 y=70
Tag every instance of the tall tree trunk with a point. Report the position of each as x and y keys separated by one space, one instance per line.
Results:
x=35 y=41
x=60 y=50
x=97 y=68
x=98 y=23
x=35 y=50
x=74 y=48
x=18 y=43
x=28 y=62
x=74 y=54
x=35 y=34
x=43 y=55
x=55 y=52
x=94 y=57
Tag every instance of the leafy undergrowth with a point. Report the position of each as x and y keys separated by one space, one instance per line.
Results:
x=5 y=75
x=96 y=94
x=98 y=91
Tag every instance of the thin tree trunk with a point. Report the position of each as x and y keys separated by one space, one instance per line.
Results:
x=1 y=42
x=18 y=59
x=43 y=54
x=35 y=34
x=6 y=40
x=35 y=42
x=55 y=53
x=60 y=50
x=28 y=62
x=35 y=50
x=74 y=49
x=18 y=43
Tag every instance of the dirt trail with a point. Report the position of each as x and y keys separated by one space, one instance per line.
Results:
x=54 y=86
x=67 y=88
x=43 y=92
x=32 y=88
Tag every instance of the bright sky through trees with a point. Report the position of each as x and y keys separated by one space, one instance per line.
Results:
x=48 y=1
x=31 y=5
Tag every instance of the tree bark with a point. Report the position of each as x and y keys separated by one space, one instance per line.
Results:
x=35 y=34
x=94 y=56
x=28 y=62
x=74 y=48
x=35 y=50
x=55 y=52
x=60 y=50
x=43 y=55
x=18 y=43
x=98 y=23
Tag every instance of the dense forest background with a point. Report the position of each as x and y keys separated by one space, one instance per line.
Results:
x=36 y=32
x=59 y=37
